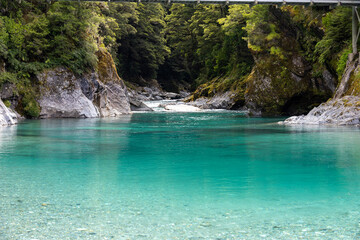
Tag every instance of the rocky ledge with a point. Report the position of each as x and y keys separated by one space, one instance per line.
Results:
x=7 y=116
x=343 y=111
x=100 y=93
x=218 y=101
x=344 y=108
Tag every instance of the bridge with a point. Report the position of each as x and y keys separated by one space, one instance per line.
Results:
x=331 y=3
x=251 y=2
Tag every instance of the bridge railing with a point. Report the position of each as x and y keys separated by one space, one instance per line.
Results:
x=252 y=2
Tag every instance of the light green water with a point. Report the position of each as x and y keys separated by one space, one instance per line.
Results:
x=178 y=176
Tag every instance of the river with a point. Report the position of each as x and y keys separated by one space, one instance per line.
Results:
x=168 y=175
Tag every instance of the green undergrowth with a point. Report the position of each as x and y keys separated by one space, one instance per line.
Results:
x=354 y=85
x=7 y=103
x=25 y=91
x=232 y=83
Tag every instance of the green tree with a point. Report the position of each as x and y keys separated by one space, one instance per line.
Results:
x=182 y=40
x=72 y=39
x=334 y=47
x=140 y=54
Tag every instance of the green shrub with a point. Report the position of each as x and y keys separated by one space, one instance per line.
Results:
x=7 y=103
x=341 y=64
x=7 y=77
x=30 y=105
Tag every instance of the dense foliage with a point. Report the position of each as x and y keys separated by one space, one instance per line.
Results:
x=180 y=45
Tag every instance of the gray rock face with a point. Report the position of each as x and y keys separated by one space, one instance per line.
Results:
x=7 y=116
x=7 y=90
x=113 y=101
x=343 y=111
x=137 y=105
x=219 y=101
x=352 y=67
x=62 y=95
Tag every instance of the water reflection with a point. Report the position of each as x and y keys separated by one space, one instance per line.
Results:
x=7 y=139
x=205 y=174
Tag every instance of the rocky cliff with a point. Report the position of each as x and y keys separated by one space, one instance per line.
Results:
x=284 y=79
x=100 y=93
x=344 y=108
x=286 y=87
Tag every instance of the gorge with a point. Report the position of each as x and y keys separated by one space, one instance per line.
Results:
x=270 y=61
x=178 y=121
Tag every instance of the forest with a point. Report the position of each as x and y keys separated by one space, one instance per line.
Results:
x=205 y=49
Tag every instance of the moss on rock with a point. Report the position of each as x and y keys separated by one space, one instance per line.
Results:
x=354 y=83
x=106 y=67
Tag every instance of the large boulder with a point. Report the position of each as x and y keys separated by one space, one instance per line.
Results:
x=100 y=93
x=7 y=116
x=113 y=100
x=137 y=105
x=224 y=100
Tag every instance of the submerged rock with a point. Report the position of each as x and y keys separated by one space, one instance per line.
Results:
x=7 y=116
x=98 y=94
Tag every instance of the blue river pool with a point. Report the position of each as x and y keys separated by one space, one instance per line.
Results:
x=205 y=175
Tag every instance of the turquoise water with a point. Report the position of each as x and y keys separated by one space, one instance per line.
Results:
x=210 y=175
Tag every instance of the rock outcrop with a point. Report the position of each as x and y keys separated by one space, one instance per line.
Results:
x=280 y=88
x=137 y=105
x=224 y=100
x=152 y=93
x=343 y=109
x=7 y=116
x=62 y=96
x=284 y=80
x=98 y=94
